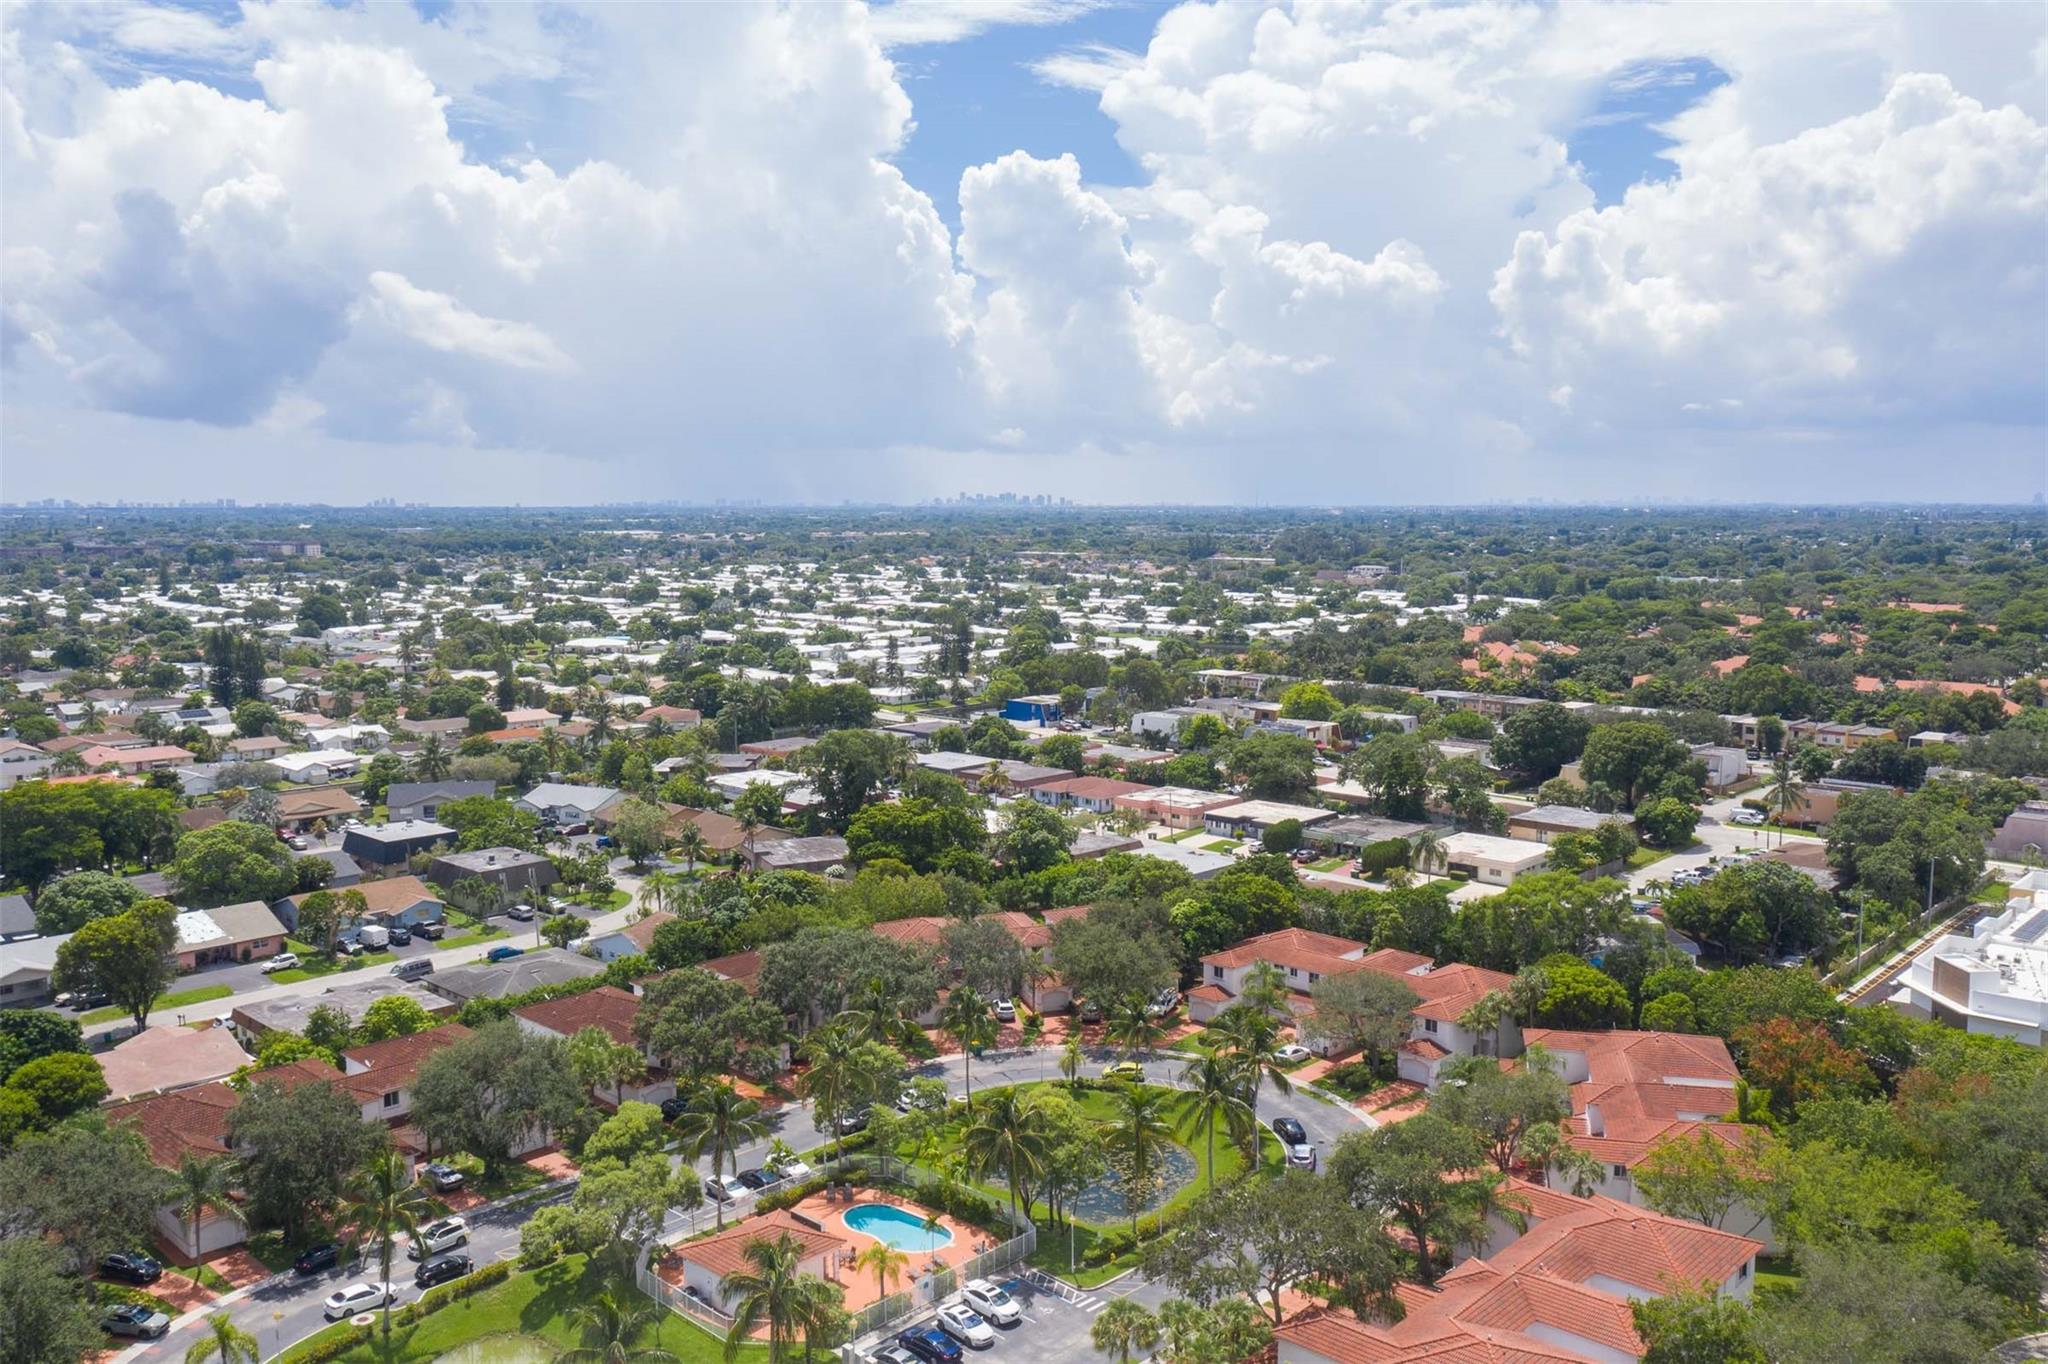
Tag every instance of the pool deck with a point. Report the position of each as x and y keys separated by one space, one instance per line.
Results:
x=860 y=1287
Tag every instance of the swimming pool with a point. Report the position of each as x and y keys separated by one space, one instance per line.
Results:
x=898 y=1227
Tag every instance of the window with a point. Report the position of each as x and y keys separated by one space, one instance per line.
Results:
x=1743 y=1272
x=1216 y=972
x=391 y=1099
x=1429 y=1025
x=1621 y=1172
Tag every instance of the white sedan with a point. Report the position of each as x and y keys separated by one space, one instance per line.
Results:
x=1291 y=1053
x=359 y=1297
x=961 y=1322
x=992 y=1302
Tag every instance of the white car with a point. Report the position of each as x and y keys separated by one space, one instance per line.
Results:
x=1292 y=1052
x=963 y=1324
x=436 y=1237
x=992 y=1302
x=358 y=1297
x=1006 y=1012
x=1750 y=817
x=791 y=1168
x=726 y=1188
x=283 y=961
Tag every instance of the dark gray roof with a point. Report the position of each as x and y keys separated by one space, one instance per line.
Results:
x=495 y=980
x=17 y=917
x=413 y=792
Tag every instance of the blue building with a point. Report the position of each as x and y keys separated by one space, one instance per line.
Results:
x=1032 y=710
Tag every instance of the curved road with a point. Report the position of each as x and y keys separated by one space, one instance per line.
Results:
x=286 y=1308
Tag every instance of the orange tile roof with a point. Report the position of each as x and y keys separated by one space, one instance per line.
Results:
x=606 y=1007
x=1628 y=1056
x=188 y=1121
x=744 y=967
x=1289 y=947
x=726 y=1252
x=394 y=1061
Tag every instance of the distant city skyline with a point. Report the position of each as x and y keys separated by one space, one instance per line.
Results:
x=1118 y=254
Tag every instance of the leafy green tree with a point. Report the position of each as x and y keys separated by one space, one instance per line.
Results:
x=848 y=767
x=60 y=1084
x=44 y=1318
x=89 y=1187
x=1252 y=1239
x=27 y=1034
x=383 y=1205
x=1575 y=995
x=916 y=831
x=1667 y=822
x=1362 y=1009
x=1498 y=1105
x=773 y=1292
x=1006 y=1139
x=599 y=1063
x=718 y=1120
x=1106 y=956
x=488 y=822
x=1309 y=701
x=1394 y=769
x=641 y=829
x=1756 y=911
x=1033 y=838
x=297 y=1148
x=699 y=1025
x=1428 y=1174
x=1138 y=1135
x=230 y=863
x=1879 y=1304
x=483 y=1093
x=392 y=1016
x=1274 y=766
x=608 y=1324
x=126 y=957
x=229 y=1343
x=1696 y=1327
x=822 y=971
x=1122 y=1328
x=1535 y=741
x=1633 y=757
x=70 y=902
x=984 y=954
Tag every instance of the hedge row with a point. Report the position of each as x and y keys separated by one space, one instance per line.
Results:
x=341 y=1343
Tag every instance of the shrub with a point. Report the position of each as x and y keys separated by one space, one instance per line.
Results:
x=1384 y=855
x=793 y=1195
x=337 y=1345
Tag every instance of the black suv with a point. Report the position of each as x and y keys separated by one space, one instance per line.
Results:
x=1290 y=1131
x=442 y=1268
x=400 y=935
x=130 y=1268
x=313 y=1259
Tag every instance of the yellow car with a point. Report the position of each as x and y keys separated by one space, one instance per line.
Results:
x=1125 y=1070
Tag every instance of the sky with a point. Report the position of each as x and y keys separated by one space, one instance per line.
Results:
x=1309 y=254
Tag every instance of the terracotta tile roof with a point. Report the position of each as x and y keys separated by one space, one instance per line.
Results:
x=191 y=1121
x=744 y=967
x=726 y=1252
x=1624 y=1056
x=640 y=932
x=1213 y=994
x=393 y=1062
x=1055 y=917
x=1290 y=947
x=924 y=931
x=606 y=1007
x=1093 y=788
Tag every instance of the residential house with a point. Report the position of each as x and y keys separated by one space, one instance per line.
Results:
x=531 y=717
x=393 y=900
x=1032 y=710
x=1726 y=766
x=1100 y=843
x=2024 y=832
x=134 y=761
x=1321 y=733
x=1819 y=801
x=1164 y=726
x=1177 y=807
x=508 y=871
x=257 y=1019
x=326 y=765
x=231 y=933
x=565 y=804
x=1303 y=958
x=1096 y=795
x=346 y=873
x=17 y=918
x=1555 y=1289
x=627 y=940
x=379 y=1075
x=784 y=749
x=300 y=811
x=20 y=761
x=610 y=1010
x=1251 y=818
x=407 y=800
x=383 y=846
x=1355 y=832
x=797 y=854
x=1491 y=860
x=165 y=1057
x=1992 y=979
x=1829 y=734
x=354 y=738
x=262 y=748
x=515 y=976
x=1543 y=823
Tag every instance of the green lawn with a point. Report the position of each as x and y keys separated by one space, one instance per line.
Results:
x=1330 y=864
x=515 y=1177
x=163 y=1005
x=1220 y=845
x=475 y=935
x=1777 y=1273
x=529 y=1309
x=1183 y=835
x=1643 y=857
x=312 y=965
x=618 y=899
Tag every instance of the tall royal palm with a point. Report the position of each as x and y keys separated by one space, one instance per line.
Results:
x=224 y=1343
x=1215 y=1086
x=875 y=1014
x=1788 y=793
x=1429 y=854
x=1250 y=1040
x=607 y=1325
x=886 y=1263
x=719 y=1120
x=201 y=1186
x=693 y=846
x=1140 y=1133
x=383 y=1205
x=431 y=762
x=1007 y=1138
x=836 y=1078
x=774 y=1292
x=966 y=1020
x=1133 y=1028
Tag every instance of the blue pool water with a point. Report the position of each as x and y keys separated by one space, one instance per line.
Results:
x=899 y=1228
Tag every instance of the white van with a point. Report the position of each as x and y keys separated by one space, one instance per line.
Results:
x=374 y=936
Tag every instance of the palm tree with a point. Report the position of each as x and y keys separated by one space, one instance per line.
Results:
x=1216 y=1088
x=608 y=1324
x=431 y=762
x=750 y=824
x=773 y=1290
x=1429 y=855
x=885 y=1262
x=1141 y=1131
x=875 y=1014
x=1787 y=793
x=1250 y=1038
x=201 y=1186
x=838 y=1077
x=692 y=844
x=1265 y=987
x=1007 y=1137
x=1123 y=1327
x=385 y=1204
x=1070 y=1057
x=721 y=1120
x=966 y=1020
x=226 y=1342
x=1133 y=1028
x=658 y=889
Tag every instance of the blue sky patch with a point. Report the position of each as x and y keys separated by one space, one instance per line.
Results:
x=1618 y=144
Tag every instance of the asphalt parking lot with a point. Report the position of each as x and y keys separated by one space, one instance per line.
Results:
x=1055 y=1326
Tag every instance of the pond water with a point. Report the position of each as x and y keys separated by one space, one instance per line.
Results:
x=1103 y=1201
x=501 y=1350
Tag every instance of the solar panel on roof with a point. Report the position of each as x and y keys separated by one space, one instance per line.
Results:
x=2034 y=927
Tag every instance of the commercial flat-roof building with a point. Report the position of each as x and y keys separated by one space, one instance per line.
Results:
x=1992 y=979
x=393 y=844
